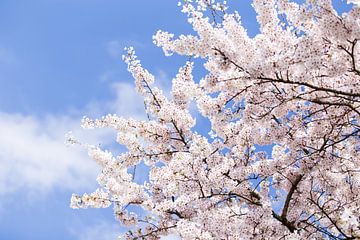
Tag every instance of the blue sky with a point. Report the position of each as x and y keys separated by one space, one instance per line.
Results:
x=61 y=60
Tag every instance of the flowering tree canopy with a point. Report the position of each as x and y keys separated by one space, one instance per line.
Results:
x=282 y=158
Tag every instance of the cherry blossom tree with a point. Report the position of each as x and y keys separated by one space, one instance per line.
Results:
x=282 y=158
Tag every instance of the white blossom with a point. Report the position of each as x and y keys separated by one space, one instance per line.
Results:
x=282 y=157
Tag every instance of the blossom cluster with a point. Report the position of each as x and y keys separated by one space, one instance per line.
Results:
x=282 y=158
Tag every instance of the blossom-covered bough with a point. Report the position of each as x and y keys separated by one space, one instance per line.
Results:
x=282 y=160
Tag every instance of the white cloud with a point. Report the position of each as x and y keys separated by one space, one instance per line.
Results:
x=33 y=153
x=115 y=48
x=163 y=82
x=6 y=55
x=356 y=2
x=104 y=230
x=127 y=102
x=101 y=231
x=109 y=76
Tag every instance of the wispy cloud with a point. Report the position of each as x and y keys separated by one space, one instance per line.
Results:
x=6 y=55
x=101 y=231
x=34 y=157
x=127 y=102
x=115 y=48
x=163 y=81
x=104 y=230
x=33 y=153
